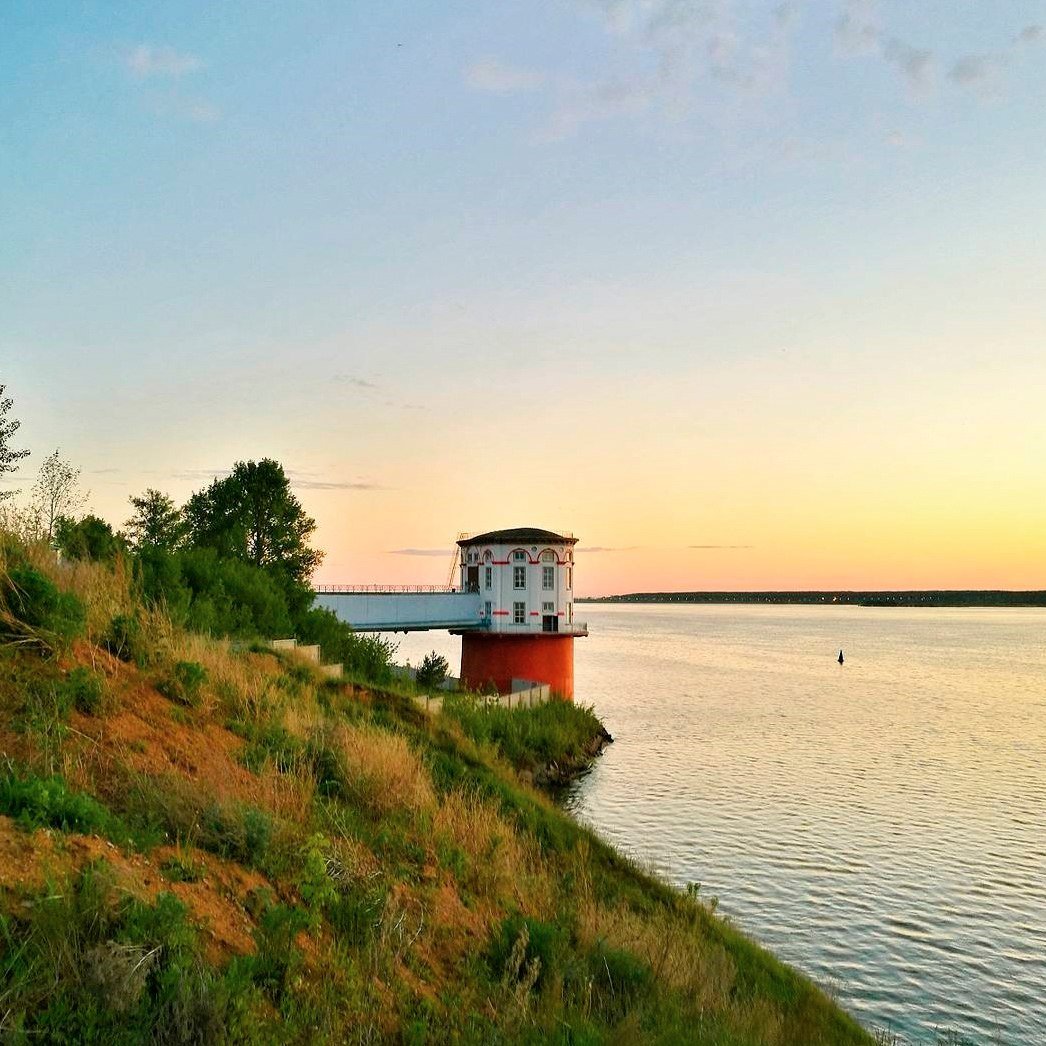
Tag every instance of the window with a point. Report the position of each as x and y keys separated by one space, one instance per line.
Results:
x=519 y=613
x=548 y=557
x=488 y=574
x=570 y=613
x=519 y=556
x=570 y=578
x=548 y=608
x=548 y=578
x=519 y=577
x=487 y=608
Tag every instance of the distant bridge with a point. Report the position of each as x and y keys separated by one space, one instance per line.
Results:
x=403 y=608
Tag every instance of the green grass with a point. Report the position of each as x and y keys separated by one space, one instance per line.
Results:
x=555 y=732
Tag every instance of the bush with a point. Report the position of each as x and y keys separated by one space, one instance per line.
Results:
x=85 y=690
x=124 y=639
x=433 y=672
x=620 y=981
x=89 y=538
x=183 y=682
x=128 y=972
x=48 y=802
x=557 y=731
x=544 y=946
x=37 y=612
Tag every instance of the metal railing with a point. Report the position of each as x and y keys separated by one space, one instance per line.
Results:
x=381 y=589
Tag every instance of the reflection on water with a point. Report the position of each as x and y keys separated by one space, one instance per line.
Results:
x=880 y=824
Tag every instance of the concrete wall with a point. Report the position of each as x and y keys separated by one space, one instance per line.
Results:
x=403 y=611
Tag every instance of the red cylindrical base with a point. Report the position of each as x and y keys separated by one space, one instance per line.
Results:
x=489 y=659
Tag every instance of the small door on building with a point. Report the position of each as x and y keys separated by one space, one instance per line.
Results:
x=549 y=623
x=472 y=580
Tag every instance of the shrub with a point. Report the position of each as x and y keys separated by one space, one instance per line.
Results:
x=277 y=957
x=128 y=972
x=34 y=611
x=85 y=690
x=620 y=981
x=124 y=639
x=89 y=538
x=556 y=731
x=183 y=682
x=48 y=802
x=433 y=671
x=543 y=947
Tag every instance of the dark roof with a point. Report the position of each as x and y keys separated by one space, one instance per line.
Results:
x=518 y=536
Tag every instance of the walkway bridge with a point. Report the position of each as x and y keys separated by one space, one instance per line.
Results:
x=403 y=608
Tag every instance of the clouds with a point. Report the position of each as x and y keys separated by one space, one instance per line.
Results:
x=725 y=62
x=665 y=58
x=158 y=65
x=708 y=548
x=355 y=382
x=146 y=61
x=299 y=479
x=606 y=548
x=491 y=75
x=442 y=553
x=859 y=31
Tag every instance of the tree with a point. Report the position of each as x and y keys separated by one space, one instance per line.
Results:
x=8 y=456
x=57 y=493
x=157 y=522
x=252 y=515
x=87 y=538
x=433 y=671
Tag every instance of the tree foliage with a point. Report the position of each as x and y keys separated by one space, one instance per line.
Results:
x=433 y=671
x=56 y=493
x=253 y=516
x=87 y=538
x=157 y=522
x=9 y=457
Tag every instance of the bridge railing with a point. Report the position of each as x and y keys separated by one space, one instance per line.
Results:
x=381 y=589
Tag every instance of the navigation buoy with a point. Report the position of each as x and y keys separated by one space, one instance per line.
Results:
x=840 y=657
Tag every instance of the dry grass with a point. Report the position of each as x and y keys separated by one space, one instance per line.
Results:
x=383 y=770
x=501 y=864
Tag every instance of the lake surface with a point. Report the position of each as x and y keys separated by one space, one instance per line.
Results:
x=881 y=825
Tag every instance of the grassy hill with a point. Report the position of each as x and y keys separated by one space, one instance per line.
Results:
x=202 y=842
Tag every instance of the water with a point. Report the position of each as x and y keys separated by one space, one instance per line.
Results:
x=881 y=825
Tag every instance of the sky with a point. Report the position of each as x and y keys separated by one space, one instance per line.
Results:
x=744 y=294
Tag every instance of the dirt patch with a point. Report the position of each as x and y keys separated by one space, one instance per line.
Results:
x=28 y=860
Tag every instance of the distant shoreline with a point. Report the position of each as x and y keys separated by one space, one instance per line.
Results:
x=867 y=598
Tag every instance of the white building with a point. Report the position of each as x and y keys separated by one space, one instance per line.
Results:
x=525 y=579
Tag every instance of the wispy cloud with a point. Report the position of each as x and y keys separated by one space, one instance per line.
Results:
x=356 y=382
x=334 y=484
x=148 y=60
x=444 y=552
x=606 y=548
x=303 y=480
x=980 y=72
x=709 y=547
x=667 y=54
x=859 y=31
x=489 y=74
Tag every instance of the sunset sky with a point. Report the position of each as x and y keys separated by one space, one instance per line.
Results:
x=744 y=294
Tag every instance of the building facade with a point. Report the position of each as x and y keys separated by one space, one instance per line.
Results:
x=525 y=580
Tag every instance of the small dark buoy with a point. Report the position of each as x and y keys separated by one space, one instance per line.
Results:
x=840 y=657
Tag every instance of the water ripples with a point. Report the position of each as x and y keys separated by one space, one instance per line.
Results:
x=882 y=825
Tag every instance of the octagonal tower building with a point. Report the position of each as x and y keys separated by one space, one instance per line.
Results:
x=525 y=578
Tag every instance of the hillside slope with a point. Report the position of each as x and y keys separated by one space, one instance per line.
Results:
x=200 y=843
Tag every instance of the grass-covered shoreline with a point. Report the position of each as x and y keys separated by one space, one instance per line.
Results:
x=202 y=843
